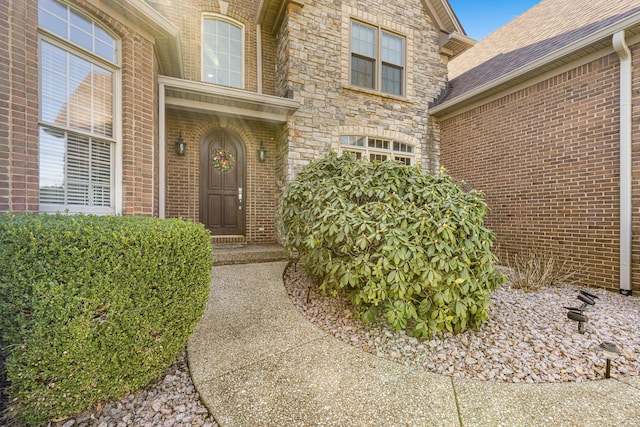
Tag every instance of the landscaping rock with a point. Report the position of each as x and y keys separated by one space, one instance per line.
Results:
x=169 y=401
x=527 y=338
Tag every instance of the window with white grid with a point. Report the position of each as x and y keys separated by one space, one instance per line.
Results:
x=222 y=52
x=78 y=70
x=378 y=149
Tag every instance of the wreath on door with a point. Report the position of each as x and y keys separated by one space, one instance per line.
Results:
x=222 y=160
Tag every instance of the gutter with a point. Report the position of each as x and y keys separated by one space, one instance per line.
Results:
x=626 y=208
x=170 y=33
x=538 y=63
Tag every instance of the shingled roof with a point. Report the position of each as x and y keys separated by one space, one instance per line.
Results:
x=550 y=34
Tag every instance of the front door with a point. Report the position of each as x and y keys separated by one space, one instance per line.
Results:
x=222 y=193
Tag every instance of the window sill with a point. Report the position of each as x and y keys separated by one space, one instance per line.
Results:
x=376 y=93
x=46 y=208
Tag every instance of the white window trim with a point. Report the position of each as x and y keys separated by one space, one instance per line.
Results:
x=231 y=21
x=116 y=138
x=367 y=151
x=378 y=59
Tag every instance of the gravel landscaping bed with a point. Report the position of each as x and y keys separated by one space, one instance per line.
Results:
x=169 y=401
x=528 y=337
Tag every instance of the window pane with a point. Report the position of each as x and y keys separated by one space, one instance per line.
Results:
x=235 y=79
x=362 y=72
x=392 y=49
x=373 y=157
x=81 y=38
x=80 y=22
x=222 y=53
x=81 y=31
x=378 y=149
x=391 y=79
x=104 y=44
x=363 y=40
x=100 y=173
x=52 y=148
x=354 y=140
x=53 y=17
x=74 y=169
x=54 y=81
x=79 y=95
x=402 y=147
x=378 y=143
x=63 y=21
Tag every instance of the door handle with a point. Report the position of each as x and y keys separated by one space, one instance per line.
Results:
x=240 y=194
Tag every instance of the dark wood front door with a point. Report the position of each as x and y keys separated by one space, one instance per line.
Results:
x=222 y=193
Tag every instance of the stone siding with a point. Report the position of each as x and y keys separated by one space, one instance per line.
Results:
x=313 y=62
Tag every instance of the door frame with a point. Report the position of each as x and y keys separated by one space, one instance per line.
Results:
x=204 y=165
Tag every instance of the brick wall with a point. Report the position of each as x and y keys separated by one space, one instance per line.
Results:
x=138 y=112
x=18 y=106
x=547 y=158
x=19 y=179
x=183 y=175
x=187 y=15
x=183 y=172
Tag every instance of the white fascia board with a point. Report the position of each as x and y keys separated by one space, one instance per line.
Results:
x=141 y=11
x=229 y=94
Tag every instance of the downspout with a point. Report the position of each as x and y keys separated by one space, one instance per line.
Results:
x=624 y=54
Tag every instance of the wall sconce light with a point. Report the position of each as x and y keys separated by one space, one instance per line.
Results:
x=181 y=146
x=262 y=153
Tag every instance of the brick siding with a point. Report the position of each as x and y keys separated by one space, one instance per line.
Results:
x=19 y=180
x=309 y=57
x=18 y=106
x=547 y=159
x=183 y=172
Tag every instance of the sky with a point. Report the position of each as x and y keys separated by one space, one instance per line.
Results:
x=479 y=18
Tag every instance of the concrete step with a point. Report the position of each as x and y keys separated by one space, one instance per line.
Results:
x=247 y=254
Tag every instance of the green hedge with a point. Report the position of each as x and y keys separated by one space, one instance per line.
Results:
x=94 y=307
x=396 y=239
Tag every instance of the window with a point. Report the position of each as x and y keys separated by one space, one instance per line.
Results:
x=377 y=59
x=222 y=52
x=77 y=141
x=377 y=149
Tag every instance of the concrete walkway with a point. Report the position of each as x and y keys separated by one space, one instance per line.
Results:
x=257 y=361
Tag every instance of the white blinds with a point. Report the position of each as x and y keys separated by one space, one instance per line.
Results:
x=77 y=145
x=74 y=169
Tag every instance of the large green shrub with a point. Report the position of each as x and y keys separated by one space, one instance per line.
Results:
x=395 y=239
x=92 y=308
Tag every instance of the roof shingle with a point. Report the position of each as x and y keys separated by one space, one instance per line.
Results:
x=546 y=28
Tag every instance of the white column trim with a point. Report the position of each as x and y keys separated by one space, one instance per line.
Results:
x=259 y=55
x=162 y=179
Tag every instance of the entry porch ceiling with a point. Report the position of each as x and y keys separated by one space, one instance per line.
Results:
x=208 y=98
